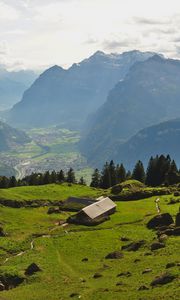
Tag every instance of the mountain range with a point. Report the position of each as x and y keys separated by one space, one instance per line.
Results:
x=149 y=94
x=163 y=138
x=12 y=86
x=67 y=97
x=11 y=137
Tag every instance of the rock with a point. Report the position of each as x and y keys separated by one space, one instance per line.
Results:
x=85 y=259
x=97 y=275
x=160 y=220
x=74 y=295
x=177 y=222
x=169 y=232
x=8 y=281
x=143 y=288
x=133 y=246
x=124 y=239
x=137 y=260
x=2 y=287
x=170 y=265
x=2 y=234
x=162 y=238
x=31 y=269
x=157 y=245
x=148 y=270
x=119 y=283
x=163 y=279
x=114 y=255
x=53 y=210
x=127 y=274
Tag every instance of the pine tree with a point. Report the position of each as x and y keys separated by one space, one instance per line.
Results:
x=46 y=178
x=61 y=176
x=120 y=173
x=53 y=177
x=105 y=177
x=12 y=181
x=138 y=172
x=71 y=176
x=82 y=181
x=112 y=172
x=95 y=182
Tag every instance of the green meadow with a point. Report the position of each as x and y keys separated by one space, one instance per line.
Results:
x=59 y=251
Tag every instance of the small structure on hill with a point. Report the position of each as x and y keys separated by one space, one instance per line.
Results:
x=94 y=213
x=75 y=204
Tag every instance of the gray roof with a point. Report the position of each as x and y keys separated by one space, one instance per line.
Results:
x=99 y=208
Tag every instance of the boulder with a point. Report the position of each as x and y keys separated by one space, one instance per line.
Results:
x=127 y=274
x=170 y=265
x=2 y=287
x=148 y=270
x=177 y=222
x=162 y=238
x=163 y=279
x=97 y=275
x=32 y=269
x=85 y=259
x=160 y=220
x=133 y=246
x=114 y=255
x=9 y=281
x=2 y=234
x=170 y=231
x=124 y=239
x=157 y=245
x=143 y=288
x=53 y=210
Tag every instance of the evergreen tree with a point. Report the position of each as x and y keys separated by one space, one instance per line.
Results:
x=96 y=177
x=128 y=175
x=120 y=173
x=12 y=181
x=53 y=177
x=61 y=176
x=112 y=172
x=138 y=172
x=105 y=177
x=71 y=176
x=82 y=181
x=46 y=178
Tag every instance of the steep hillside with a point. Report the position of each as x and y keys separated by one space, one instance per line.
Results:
x=67 y=97
x=149 y=94
x=13 y=85
x=11 y=137
x=163 y=138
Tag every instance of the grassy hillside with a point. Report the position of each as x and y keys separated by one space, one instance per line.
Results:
x=49 y=192
x=60 y=251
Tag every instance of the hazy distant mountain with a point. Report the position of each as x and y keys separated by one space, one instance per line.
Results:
x=11 y=137
x=67 y=97
x=13 y=85
x=149 y=94
x=163 y=138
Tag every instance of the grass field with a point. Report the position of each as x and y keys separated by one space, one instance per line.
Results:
x=60 y=251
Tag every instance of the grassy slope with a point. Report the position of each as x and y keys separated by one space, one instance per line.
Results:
x=60 y=255
x=49 y=192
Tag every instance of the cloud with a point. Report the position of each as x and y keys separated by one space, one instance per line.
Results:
x=150 y=21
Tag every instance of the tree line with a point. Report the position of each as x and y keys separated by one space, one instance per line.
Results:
x=161 y=170
x=41 y=179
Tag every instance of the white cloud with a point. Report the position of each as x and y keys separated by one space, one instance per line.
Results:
x=43 y=32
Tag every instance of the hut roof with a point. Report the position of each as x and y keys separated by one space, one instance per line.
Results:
x=99 y=208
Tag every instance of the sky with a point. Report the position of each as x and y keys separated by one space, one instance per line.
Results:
x=35 y=34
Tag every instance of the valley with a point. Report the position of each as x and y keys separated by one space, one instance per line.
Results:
x=51 y=149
